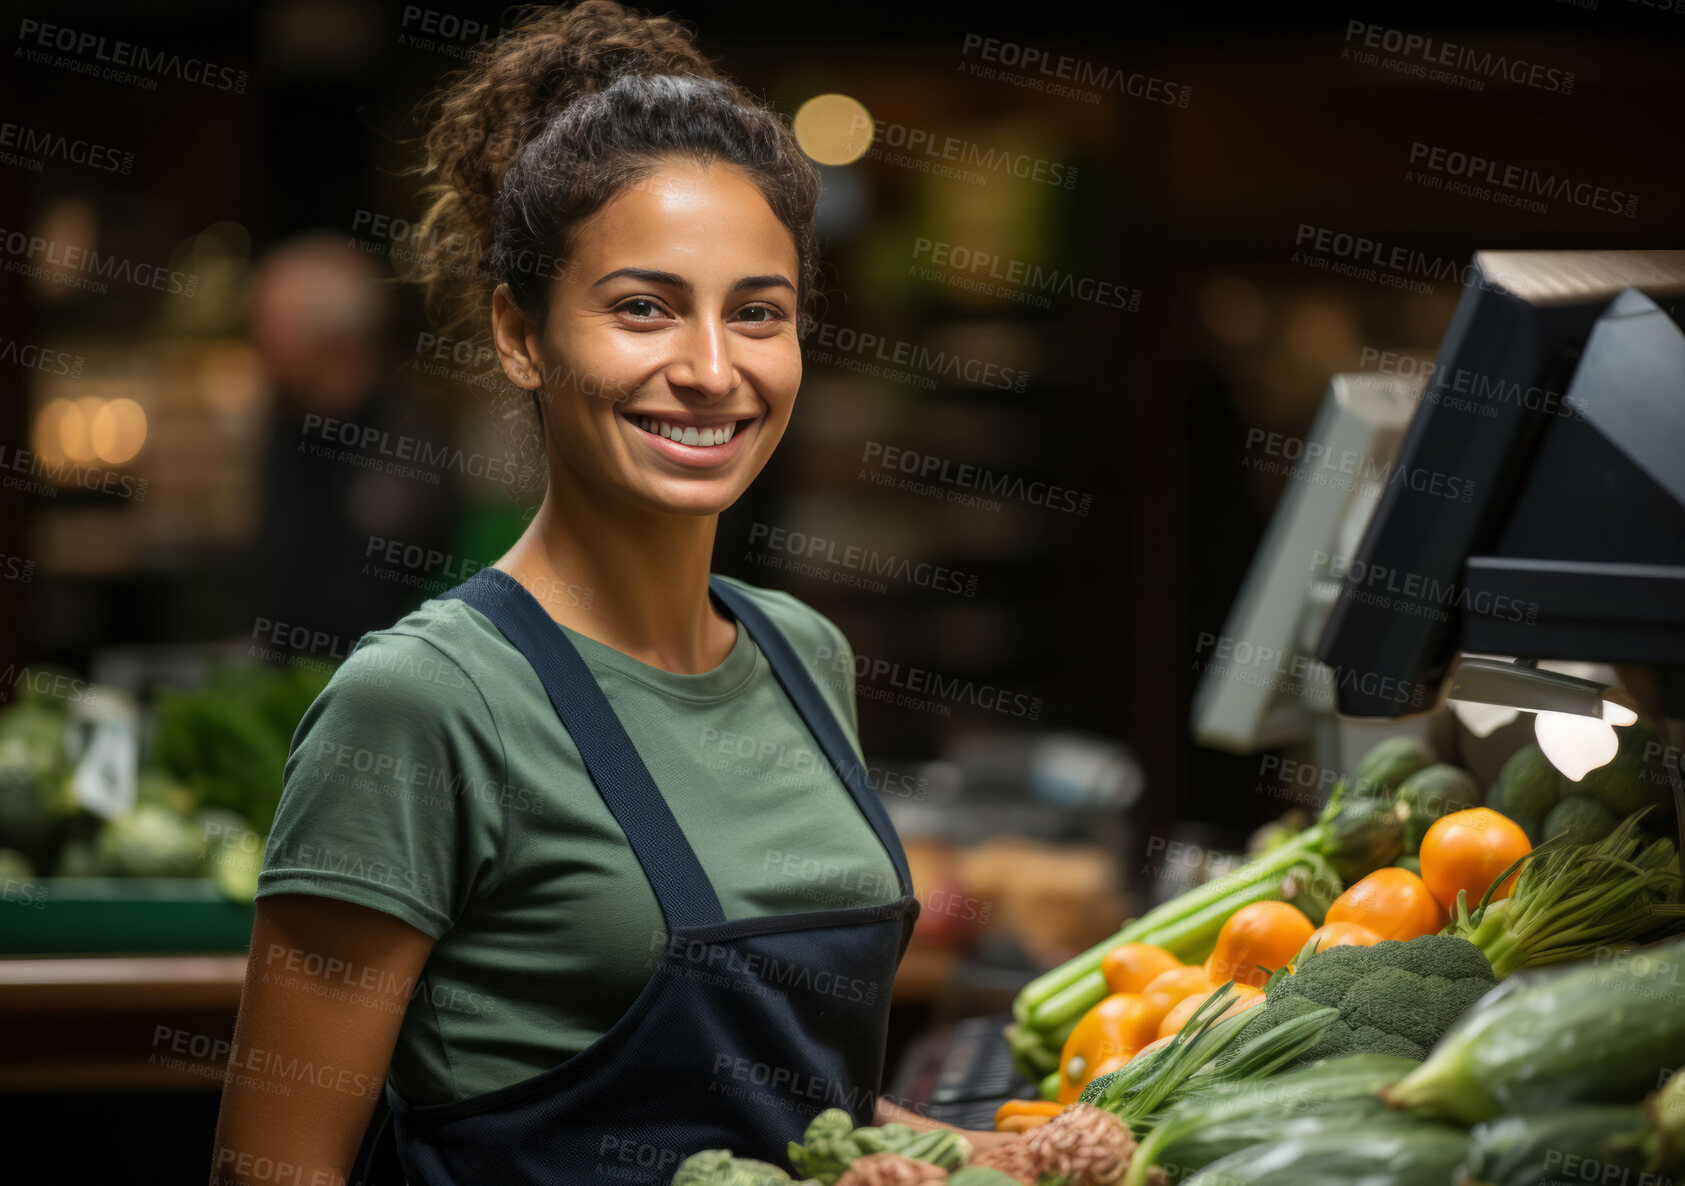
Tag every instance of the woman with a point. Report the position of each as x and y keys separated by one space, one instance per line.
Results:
x=518 y=869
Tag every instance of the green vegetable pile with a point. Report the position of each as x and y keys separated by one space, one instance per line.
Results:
x=832 y=1143
x=205 y=797
x=1393 y=998
x=1546 y=804
x=1557 y=1074
x=36 y=803
x=829 y=1146
x=1208 y=1051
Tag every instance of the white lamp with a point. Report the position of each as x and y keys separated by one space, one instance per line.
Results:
x=1575 y=717
x=1577 y=745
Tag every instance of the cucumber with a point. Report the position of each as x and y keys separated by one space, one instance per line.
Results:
x=1227 y=1117
x=1596 y=1144
x=1390 y=1151
x=1601 y=1031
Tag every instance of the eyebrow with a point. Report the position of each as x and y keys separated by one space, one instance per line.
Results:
x=674 y=280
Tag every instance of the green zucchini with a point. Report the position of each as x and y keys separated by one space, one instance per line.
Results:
x=1228 y=1116
x=1597 y=1143
x=1390 y=1151
x=1601 y=1031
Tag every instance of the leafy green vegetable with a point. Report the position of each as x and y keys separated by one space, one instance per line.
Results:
x=717 y=1167
x=228 y=741
x=1395 y=998
x=1187 y=1064
x=1574 y=900
x=150 y=841
x=14 y=866
x=832 y=1143
x=35 y=798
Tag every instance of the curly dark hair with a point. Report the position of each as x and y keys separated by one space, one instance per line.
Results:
x=555 y=117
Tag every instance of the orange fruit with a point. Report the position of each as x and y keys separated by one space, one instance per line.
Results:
x=1167 y=989
x=1111 y=1032
x=1255 y=941
x=1132 y=966
x=1246 y=997
x=1393 y=903
x=1466 y=850
x=1343 y=934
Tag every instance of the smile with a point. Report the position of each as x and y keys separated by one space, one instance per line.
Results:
x=687 y=445
x=706 y=438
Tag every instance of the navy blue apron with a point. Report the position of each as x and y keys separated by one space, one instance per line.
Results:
x=747 y=1029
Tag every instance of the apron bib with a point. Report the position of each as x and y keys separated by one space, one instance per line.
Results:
x=746 y=1030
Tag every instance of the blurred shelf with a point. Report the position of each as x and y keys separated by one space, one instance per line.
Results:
x=116 y=1022
x=116 y=984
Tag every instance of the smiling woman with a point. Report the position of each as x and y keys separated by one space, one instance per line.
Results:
x=699 y=335
x=582 y=936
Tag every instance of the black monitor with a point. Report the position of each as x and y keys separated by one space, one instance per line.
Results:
x=1537 y=505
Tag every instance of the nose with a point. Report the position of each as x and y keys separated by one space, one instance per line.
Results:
x=702 y=359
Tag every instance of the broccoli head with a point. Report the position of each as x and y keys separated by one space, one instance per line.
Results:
x=1394 y=998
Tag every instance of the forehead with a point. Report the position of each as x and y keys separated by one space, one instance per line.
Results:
x=683 y=212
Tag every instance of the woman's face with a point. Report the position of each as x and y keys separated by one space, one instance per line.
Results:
x=678 y=307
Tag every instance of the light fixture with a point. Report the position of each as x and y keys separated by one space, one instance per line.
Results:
x=1575 y=717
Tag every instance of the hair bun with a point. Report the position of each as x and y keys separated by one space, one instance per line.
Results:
x=486 y=113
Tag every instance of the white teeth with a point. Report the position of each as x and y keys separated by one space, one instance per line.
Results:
x=688 y=435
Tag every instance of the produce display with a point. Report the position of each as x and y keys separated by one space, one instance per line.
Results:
x=205 y=795
x=1399 y=1036
x=1394 y=998
x=1082 y=1146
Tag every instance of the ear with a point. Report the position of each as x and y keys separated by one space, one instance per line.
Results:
x=515 y=337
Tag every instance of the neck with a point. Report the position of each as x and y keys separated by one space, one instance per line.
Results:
x=631 y=579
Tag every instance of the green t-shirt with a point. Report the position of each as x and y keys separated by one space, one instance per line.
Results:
x=432 y=780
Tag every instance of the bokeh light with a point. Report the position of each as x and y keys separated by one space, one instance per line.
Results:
x=833 y=129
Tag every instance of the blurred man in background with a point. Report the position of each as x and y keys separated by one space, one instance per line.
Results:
x=340 y=480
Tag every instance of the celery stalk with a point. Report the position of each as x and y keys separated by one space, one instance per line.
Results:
x=1189 y=935
x=1170 y=920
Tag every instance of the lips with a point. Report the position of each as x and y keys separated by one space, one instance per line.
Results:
x=708 y=435
x=696 y=454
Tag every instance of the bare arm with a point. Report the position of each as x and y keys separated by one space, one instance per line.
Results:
x=888 y=1113
x=325 y=992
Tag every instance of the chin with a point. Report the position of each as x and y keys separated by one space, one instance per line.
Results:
x=698 y=504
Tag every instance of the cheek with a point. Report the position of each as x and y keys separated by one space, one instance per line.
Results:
x=782 y=373
x=607 y=367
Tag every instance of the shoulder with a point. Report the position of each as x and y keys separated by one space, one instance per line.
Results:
x=816 y=638
x=426 y=670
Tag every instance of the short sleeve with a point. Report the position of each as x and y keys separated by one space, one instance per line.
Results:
x=390 y=797
x=847 y=653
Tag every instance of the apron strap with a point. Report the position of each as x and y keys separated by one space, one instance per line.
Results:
x=686 y=895
x=821 y=721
